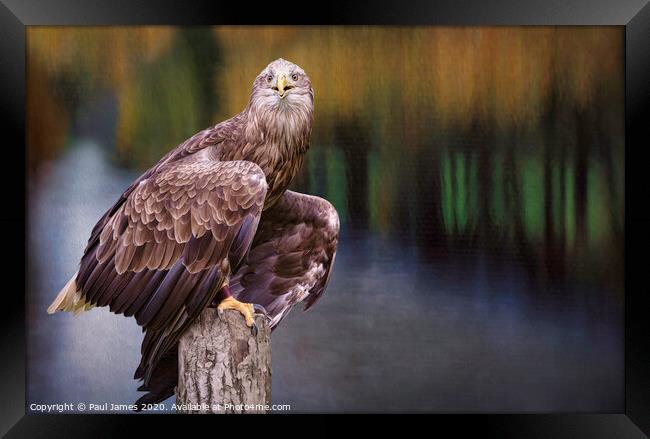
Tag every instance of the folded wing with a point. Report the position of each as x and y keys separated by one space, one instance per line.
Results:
x=291 y=258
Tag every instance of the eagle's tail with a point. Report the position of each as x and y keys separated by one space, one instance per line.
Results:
x=69 y=299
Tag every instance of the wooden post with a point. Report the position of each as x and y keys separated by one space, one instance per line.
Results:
x=222 y=367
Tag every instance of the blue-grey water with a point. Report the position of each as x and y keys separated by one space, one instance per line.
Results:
x=392 y=333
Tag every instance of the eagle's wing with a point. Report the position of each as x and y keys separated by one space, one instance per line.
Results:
x=179 y=224
x=291 y=257
x=222 y=134
x=164 y=253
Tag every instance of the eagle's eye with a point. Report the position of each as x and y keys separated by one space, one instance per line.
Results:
x=269 y=77
x=294 y=76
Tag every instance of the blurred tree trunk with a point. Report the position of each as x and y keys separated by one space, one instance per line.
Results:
x=515 y=202
x=583 y=128
x=454 y=194
x=206 y=58
x=428 y=200
x=561 y=233
x=486 y=148
x=352 y=137
x=553 y=248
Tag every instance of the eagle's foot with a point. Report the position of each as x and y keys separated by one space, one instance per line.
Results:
x=248 y=310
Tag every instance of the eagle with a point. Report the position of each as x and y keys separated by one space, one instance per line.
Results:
x=212 y=224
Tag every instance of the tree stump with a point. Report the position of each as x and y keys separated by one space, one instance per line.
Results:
x=222 y=367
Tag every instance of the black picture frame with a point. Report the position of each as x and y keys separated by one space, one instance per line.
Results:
x=15 y=15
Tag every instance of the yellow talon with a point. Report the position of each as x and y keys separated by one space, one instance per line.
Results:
x=246 y=309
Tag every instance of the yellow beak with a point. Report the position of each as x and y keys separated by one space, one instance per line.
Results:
x=282 y=83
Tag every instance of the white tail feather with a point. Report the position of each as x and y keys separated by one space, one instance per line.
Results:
x=69 y=299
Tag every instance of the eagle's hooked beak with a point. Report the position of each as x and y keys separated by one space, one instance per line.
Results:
x=281 y=84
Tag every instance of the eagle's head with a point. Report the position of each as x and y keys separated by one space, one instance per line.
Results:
x=282 y=86
x=281 y=107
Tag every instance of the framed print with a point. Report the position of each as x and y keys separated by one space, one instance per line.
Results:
x=456 y=196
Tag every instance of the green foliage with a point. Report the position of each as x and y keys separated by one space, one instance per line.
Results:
x=533 y=196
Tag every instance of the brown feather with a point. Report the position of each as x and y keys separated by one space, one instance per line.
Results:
x=291 y=257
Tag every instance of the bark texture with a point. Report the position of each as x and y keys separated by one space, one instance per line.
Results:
x=222 y=367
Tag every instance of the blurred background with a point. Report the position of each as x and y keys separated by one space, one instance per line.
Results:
x=478 y=174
